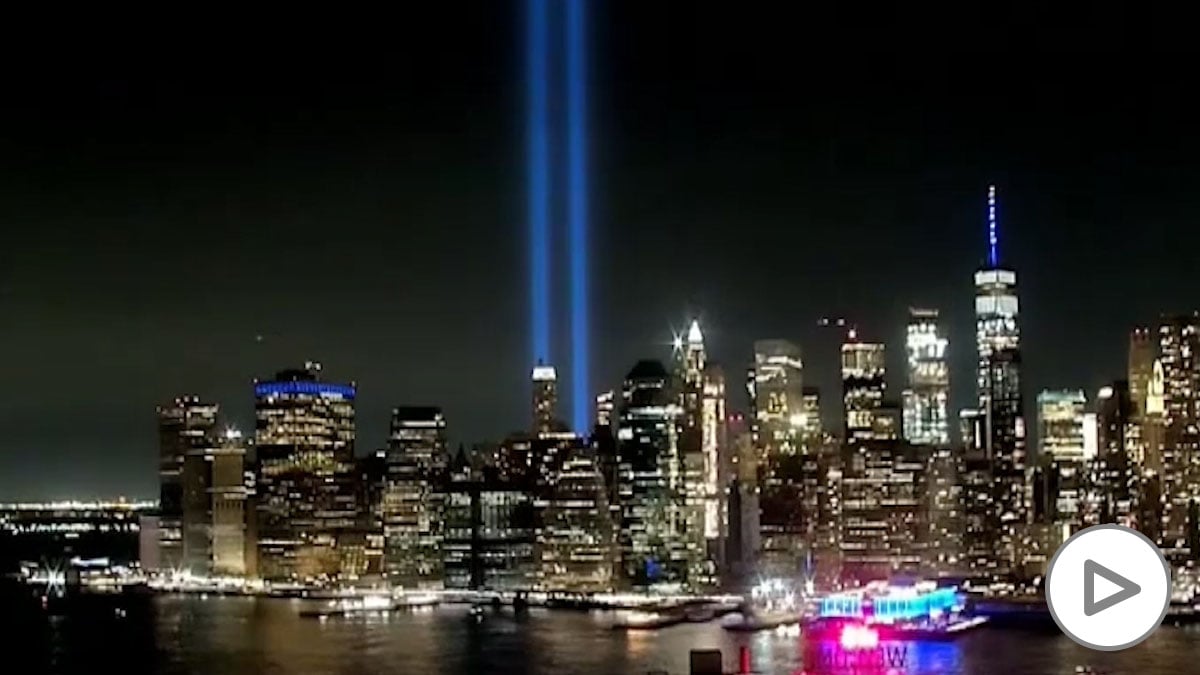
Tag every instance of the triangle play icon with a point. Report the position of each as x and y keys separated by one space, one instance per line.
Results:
x=1091 y=606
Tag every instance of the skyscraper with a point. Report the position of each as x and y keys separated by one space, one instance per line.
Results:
x=690 y=359
x=884 y=520
x=184 y=426
x=1114 y=472
x=718 y=469
x=214 y=501
x=776 y=396
x=926 y=400
x=648 y=479
x=811 y=428
x=863 y=386
x=305 y=497
x=413 y=498
x=788 y=496
x=1151 y=428
x=1143 y=350
x=1179 y=350
x=545 y=400
x=1143 y=429
x=998 y=382
x=1060 y=423
x=574 y=537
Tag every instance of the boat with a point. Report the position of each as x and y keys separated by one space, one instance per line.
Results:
x=751 y=621
x=371 y=604
x=643 y=620
x=919 y=611
x=412 y=600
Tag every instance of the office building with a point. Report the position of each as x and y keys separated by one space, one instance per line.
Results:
x=999 y=389
x=545 y=400
x=184 y=426
x=1061 y=451
x=489 y=532
x=1178 y=347
x=811 y=430
x=574 y=535
x=371 y=482
x=1114 y=471
x=214 y=507
x=884 y=518
x=1143 y=352
x=863 y=388
x=944 y=506
x=413 y=497
x=787 y=475
x=688 y=382
x=650 y=545
x=718 y=467
x=304 y=476
x=926 y=400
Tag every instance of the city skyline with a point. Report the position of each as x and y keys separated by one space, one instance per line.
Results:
x=154 y=214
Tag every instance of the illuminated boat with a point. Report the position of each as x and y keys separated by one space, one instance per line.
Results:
x=371 y=604
x=642 y=620
x=921 y=611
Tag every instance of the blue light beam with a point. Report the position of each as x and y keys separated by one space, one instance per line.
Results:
x=538 y=166
x=993 y=237
x=577 y=209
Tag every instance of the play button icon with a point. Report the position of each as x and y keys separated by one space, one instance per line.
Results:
x=1126 y=588
x=1102 y=567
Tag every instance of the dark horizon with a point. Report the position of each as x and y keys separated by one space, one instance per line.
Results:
x=367 y=210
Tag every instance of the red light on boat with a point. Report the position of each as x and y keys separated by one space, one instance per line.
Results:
x=856 y=637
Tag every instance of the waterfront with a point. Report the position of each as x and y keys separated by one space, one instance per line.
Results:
x=240 y=636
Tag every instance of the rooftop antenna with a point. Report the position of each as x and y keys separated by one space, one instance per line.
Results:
x=993 y=258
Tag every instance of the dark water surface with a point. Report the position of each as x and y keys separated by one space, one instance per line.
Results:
x=240 y=636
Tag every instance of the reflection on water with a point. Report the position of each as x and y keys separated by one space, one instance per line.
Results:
x=240 y=636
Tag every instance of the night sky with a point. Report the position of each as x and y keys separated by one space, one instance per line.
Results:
x=362 y=202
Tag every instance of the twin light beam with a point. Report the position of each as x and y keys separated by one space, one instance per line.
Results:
x=574 y=17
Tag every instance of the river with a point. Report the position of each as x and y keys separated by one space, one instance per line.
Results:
x=243 y=636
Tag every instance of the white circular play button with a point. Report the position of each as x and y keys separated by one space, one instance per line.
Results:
x=1108 y=587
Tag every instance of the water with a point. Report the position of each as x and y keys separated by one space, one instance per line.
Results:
x=240 y=636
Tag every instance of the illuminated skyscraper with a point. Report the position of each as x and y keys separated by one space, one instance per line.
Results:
x=999 y=388
x=1114 y=472
x=606 y=408
x=648 y=478
x=1143 y=351
x=1061 y=452
x=214 y=503
x=863 y=385
x=690 y=361
x=787 y=493
x=574 y=538
x=1151 y=428
x=884 y=518
x=776 y=396
x=545 y=400
x=926 y=399
x=413 y=497
x=810 y=427
x=1179 y=350
x=717 y=467
x=305 y=497
x=185 y=426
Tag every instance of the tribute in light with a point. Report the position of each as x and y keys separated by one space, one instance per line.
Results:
x=577 y=207
x=993 y=258
x=537 y=40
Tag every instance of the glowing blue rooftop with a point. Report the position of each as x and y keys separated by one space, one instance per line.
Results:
x=302 y=388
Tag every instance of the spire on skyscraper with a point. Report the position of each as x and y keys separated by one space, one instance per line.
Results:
x=993 y=240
